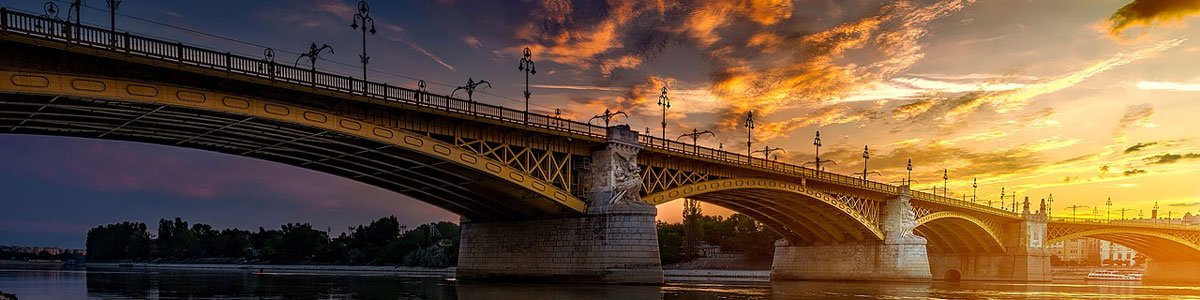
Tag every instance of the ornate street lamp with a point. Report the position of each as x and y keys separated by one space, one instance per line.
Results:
x=817 y=142
x=1073 y=208
x=313 y=54
x=112 y=10
x=1001 y=198
x=608 y=116
x=74 y=11
x=1108 y=215
x=665 y=103
x=470 y=88
x=974 y=188
x=526 y=66
x=866 y=155
x=749 y=128
x=1050 y=208
x=364 y=15
x=945 y=182
x=695 y=135
x=909 y=172
x=766 y=151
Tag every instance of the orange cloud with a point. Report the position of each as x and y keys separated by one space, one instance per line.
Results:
x=1150 y=12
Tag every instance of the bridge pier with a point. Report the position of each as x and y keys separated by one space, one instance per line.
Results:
x=1024 y=260
x=615 y=241
x=901 y=256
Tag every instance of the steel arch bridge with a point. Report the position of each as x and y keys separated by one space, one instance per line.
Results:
x=483 y=162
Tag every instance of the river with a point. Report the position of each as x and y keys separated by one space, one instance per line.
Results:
x=166 y=284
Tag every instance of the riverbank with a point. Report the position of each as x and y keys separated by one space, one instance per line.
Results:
x=334 y=270
x=288 y=269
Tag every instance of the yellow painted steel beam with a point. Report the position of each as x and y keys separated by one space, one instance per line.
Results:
x=155 y=93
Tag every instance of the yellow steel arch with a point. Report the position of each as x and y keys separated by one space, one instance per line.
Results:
x=1129 y=231
x=719 y=185
x=991 y=232
x=125 y=90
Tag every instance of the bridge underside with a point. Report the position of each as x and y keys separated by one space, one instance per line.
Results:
x=801 y=219
x=460 y=190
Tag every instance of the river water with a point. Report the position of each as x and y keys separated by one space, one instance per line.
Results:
x=118 y=284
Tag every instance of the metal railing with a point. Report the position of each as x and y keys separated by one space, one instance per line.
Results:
x=12 y=22
x=1147 y=223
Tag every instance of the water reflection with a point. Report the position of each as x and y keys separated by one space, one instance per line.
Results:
x=122 y=284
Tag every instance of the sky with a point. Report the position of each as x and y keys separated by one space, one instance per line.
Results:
x=1083 y=99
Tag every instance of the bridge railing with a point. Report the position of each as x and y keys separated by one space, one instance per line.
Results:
x=1149 y=223
x=82 y=35
x=13 y=22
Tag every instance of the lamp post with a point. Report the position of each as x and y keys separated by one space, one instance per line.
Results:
x=974 y=188
x=695 y=135
x=665 y=103
x=866 y=155
x=1014 y=201
x=767 y=150
x=74 y=10
x=1073 y=208
x=112 y=12
x=1050 y=208
x=945 y=182
x=364 y=15
x=749 y=128
x=1108 y=215
x=470 y=88
x=526 y=66
x=1001 y=198
x=1123 y=210
x=608 y=116
x=817 y=142
x=909 y=180
x=313 y=54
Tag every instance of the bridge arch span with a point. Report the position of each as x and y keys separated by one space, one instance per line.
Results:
x=800 y=213
x=958 y=232
x=1155 y=244
x=427 y=169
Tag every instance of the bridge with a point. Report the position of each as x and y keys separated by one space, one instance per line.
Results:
x=540 y=197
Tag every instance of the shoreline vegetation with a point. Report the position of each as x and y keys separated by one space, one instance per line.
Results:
x=382 y=242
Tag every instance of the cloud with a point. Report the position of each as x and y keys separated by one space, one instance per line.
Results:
x=1132 y=172
x=1168 y=158
x=1184 y=204
x=1149 y=13
x=395 y=33
x=1135 y=116
x=472 y=41
x=1139 y=146
x=1168 y=86
x=1013 y=99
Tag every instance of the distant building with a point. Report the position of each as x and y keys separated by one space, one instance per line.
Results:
x=1079 y=251
x=1117 y=252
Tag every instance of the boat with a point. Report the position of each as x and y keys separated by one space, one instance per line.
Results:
x=1110 y=275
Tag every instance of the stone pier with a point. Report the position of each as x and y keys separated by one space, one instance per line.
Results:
x=899 y=257
x=1025 y=258
x=614 y=242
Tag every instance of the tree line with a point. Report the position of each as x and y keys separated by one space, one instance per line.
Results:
x=737 y=233
x=382 y=242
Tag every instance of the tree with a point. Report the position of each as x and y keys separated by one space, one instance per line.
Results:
x=691 y=228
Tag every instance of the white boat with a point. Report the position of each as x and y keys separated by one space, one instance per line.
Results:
x=1109 y=275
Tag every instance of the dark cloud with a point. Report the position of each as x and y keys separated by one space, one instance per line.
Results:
x=1168 y=158
x=1149 y=12
x=1132 y=172
x=1184 y=204
x=1139 y=146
